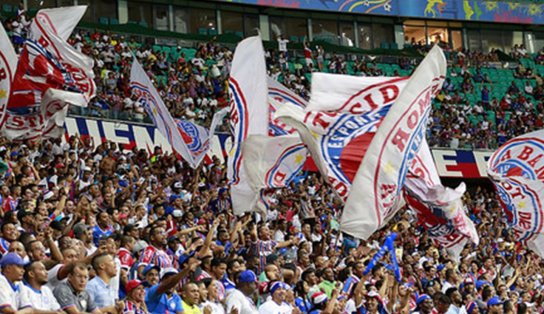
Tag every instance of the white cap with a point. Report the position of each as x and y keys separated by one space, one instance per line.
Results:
x=178 y=185
x=169 y=270
x=48 y=195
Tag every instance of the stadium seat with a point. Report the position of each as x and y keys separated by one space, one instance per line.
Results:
x=103 y=20
x=7 y=8
x=114 y=21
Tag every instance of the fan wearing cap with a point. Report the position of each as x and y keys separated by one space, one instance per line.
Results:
x=240 y=299
x=425 y=304
x=494 y=306
x=161 y=297
x=135 y=300
x=11 y=299
x=277 y=303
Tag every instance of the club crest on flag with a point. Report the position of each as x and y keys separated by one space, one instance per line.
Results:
x=278 y=176
x=517 y=161
x=347 y=137
x=190 y=135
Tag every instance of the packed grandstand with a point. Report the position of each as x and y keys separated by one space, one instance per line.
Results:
x=91 y=227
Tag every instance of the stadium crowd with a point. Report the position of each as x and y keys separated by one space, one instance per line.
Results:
x=90 y=228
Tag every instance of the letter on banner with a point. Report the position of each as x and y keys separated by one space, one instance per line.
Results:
x=377 y=186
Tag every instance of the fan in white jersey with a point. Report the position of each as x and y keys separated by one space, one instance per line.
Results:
x=40 y=296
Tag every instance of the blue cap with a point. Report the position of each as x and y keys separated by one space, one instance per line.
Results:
x=247 y=276
x=440 y=267
x=12 y=259
x=278 y=285
x=494 y=301
x=150 y=267
x=422 y=298
x=481 y=283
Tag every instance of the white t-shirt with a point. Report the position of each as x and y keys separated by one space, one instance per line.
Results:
x=41 y=300
x=282 y=44
x=52 y=277
x=12 y=297
x=238 y=300
x=217 y=308
x=271 y=307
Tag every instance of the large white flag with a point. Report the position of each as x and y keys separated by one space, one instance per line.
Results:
x=48 y=62
x=517 y=170
x=376 y=190
x=249 y=115
x=273 y=161
x=8 y=65
x=147 y=94
x=50 y=28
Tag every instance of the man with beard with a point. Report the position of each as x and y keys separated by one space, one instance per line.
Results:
x=40 y=296
x=155 y=252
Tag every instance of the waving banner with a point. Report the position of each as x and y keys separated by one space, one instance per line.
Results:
x=28 y=110
x=517 y=171
x=248 y=91
x=337 y=138
x=8 y=65
x=377 y=186
x=48 y=62
x=197 y=138
x=184 y=137
x=272 y=161
x=439 y=209
x=51 y=28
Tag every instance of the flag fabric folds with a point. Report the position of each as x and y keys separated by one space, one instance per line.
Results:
x=248 y=116
x=517 y=171
x=197 y=138
x=8 y=65
x=337 y=138
x=189 y=140
x=398 y=139
x=439 y=209
x=48 y=62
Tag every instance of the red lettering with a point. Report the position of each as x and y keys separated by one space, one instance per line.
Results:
x=413 y=118
x=387 y=189
x=506 y=156
x=526 y=153
x=389 y=93
x=318 y=119
x=278 y=178
x=354 y=108
x=18 y=121
x=370 y=102
x=400 y=139
x=533 y=161
x=525 y=220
